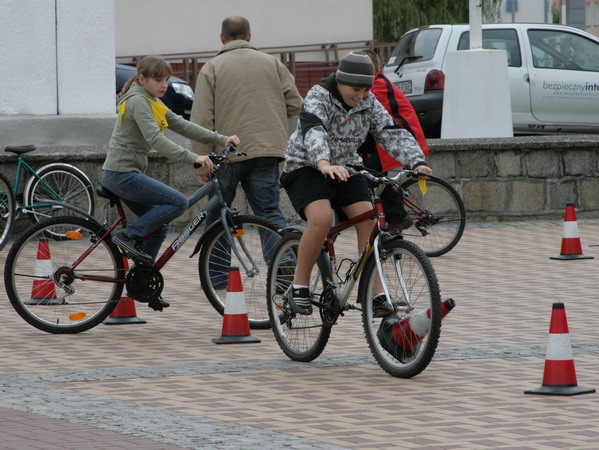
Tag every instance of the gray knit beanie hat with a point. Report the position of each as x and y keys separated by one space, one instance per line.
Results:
x=355 y=69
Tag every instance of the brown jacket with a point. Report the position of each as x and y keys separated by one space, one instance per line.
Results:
x=249 y=93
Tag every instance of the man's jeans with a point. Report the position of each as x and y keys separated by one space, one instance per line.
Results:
x=259 y=178
x=153 y=202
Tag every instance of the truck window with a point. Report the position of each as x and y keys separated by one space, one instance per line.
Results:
x=563 y=50
x=422 y=42
x=500 y=39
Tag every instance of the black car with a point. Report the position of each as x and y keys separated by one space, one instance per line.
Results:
x=178 y=97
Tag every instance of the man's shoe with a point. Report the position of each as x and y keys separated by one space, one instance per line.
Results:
x=159 y=304
x=380 y=306
x=300 y=300
x=129 y=245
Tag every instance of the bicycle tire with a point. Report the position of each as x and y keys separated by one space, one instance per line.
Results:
x=216 y=258
x=302 y=338
x=7 y=211
x=438 y=217
x=412 y=354
x=68 y=184
x=41 y=296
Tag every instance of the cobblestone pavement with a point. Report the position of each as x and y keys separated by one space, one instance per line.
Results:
x=165 y=385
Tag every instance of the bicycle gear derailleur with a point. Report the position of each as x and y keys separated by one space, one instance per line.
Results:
x=145 y=284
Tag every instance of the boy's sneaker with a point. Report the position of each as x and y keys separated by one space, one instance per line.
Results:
x=129 y=245
x=380 y=306
x=300 y=300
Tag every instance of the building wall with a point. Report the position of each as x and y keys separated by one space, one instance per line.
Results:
x=526 y=11
x=187 y=26
x=57 y=57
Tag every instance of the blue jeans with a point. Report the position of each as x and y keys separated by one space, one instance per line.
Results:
x=259 y=178
x=154 y=203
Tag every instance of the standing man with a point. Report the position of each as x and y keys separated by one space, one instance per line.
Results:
x=253 y=93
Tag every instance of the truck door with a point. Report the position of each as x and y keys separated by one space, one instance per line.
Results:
x=564 y=77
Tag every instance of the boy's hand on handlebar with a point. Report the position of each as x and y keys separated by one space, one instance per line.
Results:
x=423 y=171
x=232 y=140
x=334 y=172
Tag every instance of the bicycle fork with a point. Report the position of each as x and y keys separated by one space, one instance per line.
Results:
x=398 y=271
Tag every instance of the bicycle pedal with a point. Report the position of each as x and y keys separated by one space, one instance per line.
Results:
x=158 y=304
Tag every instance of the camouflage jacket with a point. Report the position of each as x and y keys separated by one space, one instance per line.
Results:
x=328 y=130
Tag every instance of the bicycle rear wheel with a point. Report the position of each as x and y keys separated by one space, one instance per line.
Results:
x=7 y=210
x=58 y=182
x=404 y=343
x=46 y=292
x=438 y=217
x=259 y=237
x=302 y=338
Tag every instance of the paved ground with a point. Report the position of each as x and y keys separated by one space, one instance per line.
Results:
x=165 y=385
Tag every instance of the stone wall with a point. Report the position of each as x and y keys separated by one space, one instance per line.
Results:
x=499 y=179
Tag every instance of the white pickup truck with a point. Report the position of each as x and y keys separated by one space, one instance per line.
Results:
x=553 y=73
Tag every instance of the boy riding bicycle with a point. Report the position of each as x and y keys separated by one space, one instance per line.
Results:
x=335 y=119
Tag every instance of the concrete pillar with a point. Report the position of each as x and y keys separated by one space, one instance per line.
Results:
x=58 y=61
x=476 y=99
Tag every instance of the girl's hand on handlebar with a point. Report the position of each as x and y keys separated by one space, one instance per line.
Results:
x=205 y=162
x=232 y=140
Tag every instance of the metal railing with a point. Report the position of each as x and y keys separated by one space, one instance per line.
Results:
x=311 y=58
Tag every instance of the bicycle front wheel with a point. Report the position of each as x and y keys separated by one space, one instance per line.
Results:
x=404 y=343
x=44 y=287
x=7 y=210
x=255 y=242
x=438 y=217
x=302 y=338
x=58 y=182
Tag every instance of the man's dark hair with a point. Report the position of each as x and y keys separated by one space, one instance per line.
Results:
x=235 y=27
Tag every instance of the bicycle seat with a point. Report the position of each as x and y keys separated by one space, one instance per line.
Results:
x=20 y=149
x=103 y=192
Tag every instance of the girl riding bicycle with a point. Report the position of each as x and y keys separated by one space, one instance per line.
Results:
x=139 y=128
x=336 y=117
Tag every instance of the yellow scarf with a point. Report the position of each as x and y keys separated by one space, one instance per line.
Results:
x=158 y=111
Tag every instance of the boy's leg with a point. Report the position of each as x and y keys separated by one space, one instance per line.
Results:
x=319 y=217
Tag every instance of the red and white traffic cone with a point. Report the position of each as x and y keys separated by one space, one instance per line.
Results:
x=43 y=291
x=559 y=377
x=236 y=325
x=571 y=244
x=399 y=337
x=124 y=313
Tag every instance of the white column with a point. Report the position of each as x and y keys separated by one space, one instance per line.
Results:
x=86 y=56
x=476 y=98
x=28 y=68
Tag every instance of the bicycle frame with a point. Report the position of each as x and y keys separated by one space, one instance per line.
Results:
x=23 y=166
x=216 y=201
x=371 y=245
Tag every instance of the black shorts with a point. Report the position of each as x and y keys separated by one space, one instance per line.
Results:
x=307 y=185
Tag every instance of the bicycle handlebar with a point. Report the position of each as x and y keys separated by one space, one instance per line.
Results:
x=218 y=158
x=379 y=178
